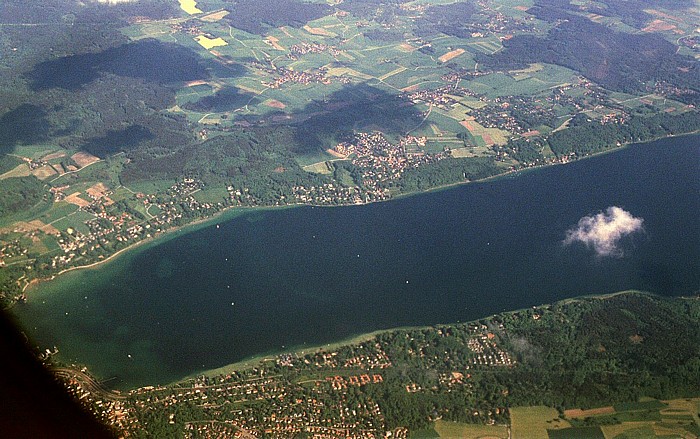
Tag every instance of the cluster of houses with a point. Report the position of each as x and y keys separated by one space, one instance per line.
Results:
x=296 y=77
x=298 y=393
x=382 y=162
x=302 y=49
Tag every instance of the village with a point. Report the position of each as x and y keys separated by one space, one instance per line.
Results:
x=327 y=393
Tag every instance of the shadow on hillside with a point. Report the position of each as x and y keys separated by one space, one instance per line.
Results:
x=149 y=60
x=115 y=141
x=354 y=108
x=25 y=124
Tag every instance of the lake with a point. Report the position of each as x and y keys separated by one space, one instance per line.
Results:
x=270 y=280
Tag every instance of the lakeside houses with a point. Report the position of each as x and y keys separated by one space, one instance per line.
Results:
x=322 y=393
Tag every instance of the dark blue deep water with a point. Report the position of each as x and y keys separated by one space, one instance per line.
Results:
x=266 y=281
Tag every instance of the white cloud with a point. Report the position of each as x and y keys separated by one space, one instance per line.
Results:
x=604 y=230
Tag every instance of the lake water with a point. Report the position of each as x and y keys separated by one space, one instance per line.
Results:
x=269 y=280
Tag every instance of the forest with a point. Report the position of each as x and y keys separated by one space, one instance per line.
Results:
x=256 y=17
x=633 y=13
x=585 y=136
x=616 y=60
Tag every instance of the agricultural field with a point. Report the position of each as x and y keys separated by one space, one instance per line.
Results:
x=647 y=418
x=534 y=422
x=208 y=104
x=277 y=74
x=446 y=429
x=316 y=61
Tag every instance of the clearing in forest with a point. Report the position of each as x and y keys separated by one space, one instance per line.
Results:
x=215 y=16
x=533 y=422
x=451 y=55
x=190 y=6
x=449 y=429
x=209 y=43
x=82 y=159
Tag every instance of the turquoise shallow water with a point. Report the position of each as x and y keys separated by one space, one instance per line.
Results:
x=268 y=280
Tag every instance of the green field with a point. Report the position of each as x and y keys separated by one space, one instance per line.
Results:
x=58 y=210
x=76 y=221
x=648 y=417
x=446 y=429
x=577 y=433
x=534 y=422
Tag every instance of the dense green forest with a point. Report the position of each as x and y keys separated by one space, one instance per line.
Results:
x=8 y=162
x=618 y=61
x=633 y=13
x=580 y=353
x=585 y=136
x=355 y=108
x=446 y=172
x=257 y=17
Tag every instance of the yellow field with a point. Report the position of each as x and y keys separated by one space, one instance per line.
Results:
x=319 y=31
x=190 y=6
x=578 y=413
x=84 y=159
x=690 y=405
x=54 y=155
x=533 y=422
x=46 y=228
x=469 y=431
x=669 y=426
x=31 y=226
x=274 y=103
x=274 y=42
x=216 y=16
x=492 y=136
x=74 y=198
x=208 y=43
x=451 y=55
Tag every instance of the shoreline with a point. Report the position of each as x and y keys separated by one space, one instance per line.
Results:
x=245 y=209
x=364 y=337
x=167 y=234
x=255 y=360
x=545 y=165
